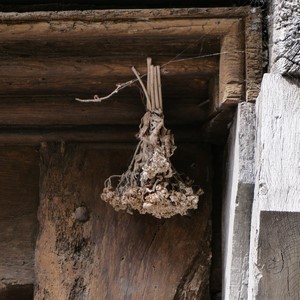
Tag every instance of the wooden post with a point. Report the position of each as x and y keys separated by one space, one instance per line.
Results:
x=238 y=202
x=86 y=250
x=274 y=246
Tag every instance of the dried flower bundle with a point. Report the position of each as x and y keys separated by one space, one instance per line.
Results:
x=151 y=184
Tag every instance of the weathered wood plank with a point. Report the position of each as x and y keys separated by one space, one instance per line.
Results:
x=277 y=162
x=65 y=74
x=253 y=54
x=113 y=112
x=114 y=255
x=132 y=28
x=238 y=201
x=137 y=47
x=279 y=255
x=232 y=66
x=130 y=14
x=89 y=134
x=19 y=194
x=285 y=37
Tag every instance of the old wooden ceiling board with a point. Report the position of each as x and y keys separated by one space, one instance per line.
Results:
x=59 y=61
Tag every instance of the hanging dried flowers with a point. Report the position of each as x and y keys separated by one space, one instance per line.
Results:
x=151 y=184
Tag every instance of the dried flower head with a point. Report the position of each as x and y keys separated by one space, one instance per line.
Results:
x=151 y=184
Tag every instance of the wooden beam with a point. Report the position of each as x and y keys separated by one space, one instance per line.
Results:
x=89 y=134
x=123 y=47
x=34 y=75
x=72 y=30
x=238 y=199
x=232 y=67
x=254 y=57
x=113 y=112
x=126 y=14
x=277 y=179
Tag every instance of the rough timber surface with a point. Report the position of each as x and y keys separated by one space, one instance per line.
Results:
x=19 y=176
x=103 y=254
x=285 y=37
x=238 y=203
x=279 y=255
x=120 y=14
x=83 y=53
x=253 y=54
x=277 y=171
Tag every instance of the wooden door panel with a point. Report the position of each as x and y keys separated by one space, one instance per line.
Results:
x=114 y=255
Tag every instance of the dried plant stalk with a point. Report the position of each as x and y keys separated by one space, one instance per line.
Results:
x=151 y=184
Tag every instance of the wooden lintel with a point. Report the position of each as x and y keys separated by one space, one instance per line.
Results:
x=69 y=30
x=126 y=14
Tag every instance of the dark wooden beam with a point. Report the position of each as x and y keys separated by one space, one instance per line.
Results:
x=115 y=111
x=89 y=134
x=79 y=74
x=137 y=47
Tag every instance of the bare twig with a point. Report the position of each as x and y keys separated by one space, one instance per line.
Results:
x=156 y=97
x=159 y=88
x=119 y=87
x=149 y=62
x=142 y=84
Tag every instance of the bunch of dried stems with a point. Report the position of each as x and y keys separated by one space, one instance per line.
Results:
x=151 y=184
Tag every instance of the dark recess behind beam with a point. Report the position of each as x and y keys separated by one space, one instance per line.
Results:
x=23 y=5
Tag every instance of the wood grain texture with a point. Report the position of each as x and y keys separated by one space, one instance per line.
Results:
x=253 y=54
x=135 y=47
x=116 y=111
x=279 y=255
x=239 y=191
x=19 y=177
x=285 y=37
x=123 y=14
x=81 y=54
x=232 y=66
x=74 y=29
x=87 y=75
x=114 y=255
x=277 y=159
